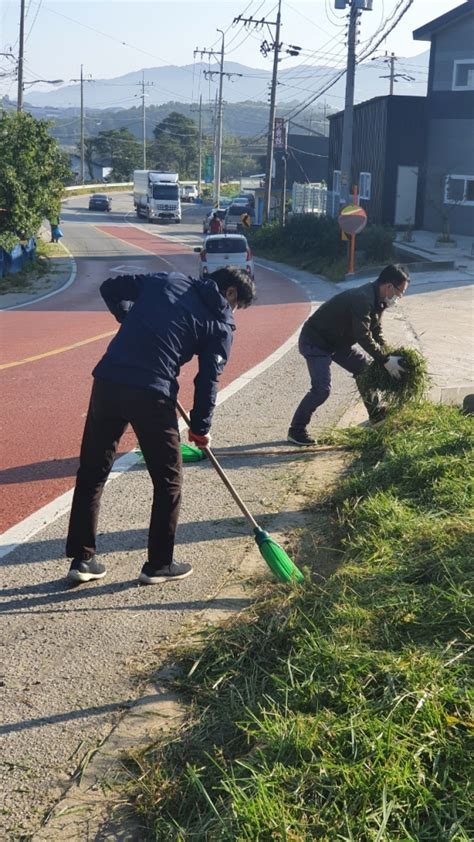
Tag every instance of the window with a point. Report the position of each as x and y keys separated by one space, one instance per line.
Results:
x=336 y=181
x=463 y=75
x=226 y=245
x=459 y=190
x=365 y=185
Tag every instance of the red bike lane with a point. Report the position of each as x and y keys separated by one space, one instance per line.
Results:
x=49 y=349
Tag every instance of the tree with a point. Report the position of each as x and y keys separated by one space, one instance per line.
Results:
x=119 y=149
x=175 y=148
x=33 y=171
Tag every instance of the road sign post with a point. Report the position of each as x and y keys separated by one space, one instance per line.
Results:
x=352 y=220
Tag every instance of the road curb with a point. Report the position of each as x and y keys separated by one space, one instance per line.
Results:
x=71 y=264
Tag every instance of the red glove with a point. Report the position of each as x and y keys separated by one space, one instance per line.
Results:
x=200 y=441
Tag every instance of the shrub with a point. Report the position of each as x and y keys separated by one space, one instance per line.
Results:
x=377 y=243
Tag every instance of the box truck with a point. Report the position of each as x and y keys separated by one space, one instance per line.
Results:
x=156 y=195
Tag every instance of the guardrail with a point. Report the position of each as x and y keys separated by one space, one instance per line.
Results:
x=78 y=189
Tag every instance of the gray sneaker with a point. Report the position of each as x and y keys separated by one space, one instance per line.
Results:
x=151 y=575
x=85 y=571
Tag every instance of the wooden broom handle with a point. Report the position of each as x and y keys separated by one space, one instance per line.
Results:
x=225 y=479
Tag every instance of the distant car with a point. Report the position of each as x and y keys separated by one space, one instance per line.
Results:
x=247 y=199
x=224 y=202
x=100 y=201
x=189 y=193
x=220 y=250
x=207 y=219
x=232 y=220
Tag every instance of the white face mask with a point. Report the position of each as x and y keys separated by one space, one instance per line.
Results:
x=390 y=302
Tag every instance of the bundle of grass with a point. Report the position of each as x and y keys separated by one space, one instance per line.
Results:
x=412 y=385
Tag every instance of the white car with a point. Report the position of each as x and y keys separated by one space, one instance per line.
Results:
x=220 y=250
x=189 y=193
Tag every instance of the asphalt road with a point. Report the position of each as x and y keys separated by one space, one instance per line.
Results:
x=49 y=348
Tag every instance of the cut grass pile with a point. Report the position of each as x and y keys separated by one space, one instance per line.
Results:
x=412 y=385
x=341 y=712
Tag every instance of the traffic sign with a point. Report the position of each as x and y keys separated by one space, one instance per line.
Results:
x=352 y=219
x=208 y=169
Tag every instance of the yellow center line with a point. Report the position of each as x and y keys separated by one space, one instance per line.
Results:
x=58 y=350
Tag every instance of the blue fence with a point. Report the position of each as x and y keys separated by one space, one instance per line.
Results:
x=14 y=260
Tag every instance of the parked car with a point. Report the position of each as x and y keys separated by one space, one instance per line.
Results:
x=100 y=201
x=232 y=219
x=189 y=193
x=220 y=250
x=207 y=219
x=244 y=199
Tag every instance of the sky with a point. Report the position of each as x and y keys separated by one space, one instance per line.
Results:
x=113 y=38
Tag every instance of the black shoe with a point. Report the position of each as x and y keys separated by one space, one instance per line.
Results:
x=151 y=575
x=377 y=417
x=85 y=571
x=300 y=437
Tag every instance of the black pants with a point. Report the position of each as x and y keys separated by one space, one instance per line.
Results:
x=153 y=417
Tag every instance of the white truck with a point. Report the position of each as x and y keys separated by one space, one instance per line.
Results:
x=156 y=195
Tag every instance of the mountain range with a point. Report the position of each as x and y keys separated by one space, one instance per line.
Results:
x=186 y=83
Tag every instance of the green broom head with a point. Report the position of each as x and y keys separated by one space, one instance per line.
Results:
x=278 y=561
x=191 y=454
x=188 y=453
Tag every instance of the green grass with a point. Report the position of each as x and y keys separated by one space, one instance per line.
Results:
x=342 y=712
x=412 y=384
x=33 y=270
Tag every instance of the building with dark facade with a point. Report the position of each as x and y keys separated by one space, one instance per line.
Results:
x=448 y=166
x=413 y=157
x=387 y=151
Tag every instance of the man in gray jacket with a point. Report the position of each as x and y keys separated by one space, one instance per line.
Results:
x=331 y=334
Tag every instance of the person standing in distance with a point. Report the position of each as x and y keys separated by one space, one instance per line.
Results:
x=165 y=319
x=331 y=334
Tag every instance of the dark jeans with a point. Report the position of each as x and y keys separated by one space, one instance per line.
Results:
x=319 y=367
x=153 y=417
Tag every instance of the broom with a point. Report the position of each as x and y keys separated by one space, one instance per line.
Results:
x=191 y=453
x=277 y=559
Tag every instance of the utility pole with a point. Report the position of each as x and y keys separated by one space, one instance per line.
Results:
x=220 y=111
x=284 y=155
x=194 y=109
x=346 y=152
x=271 y=121
x=394 y=77
x=356 y=7
x=266 y=48
x=144 y=85
x=392 y=72
x=21 y=54
x=200 y=147
x=82 y=124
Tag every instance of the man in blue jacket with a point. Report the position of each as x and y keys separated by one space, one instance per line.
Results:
x=165 y=320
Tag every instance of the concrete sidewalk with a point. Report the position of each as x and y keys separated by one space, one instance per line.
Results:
x=424 y=245
x=72 y=656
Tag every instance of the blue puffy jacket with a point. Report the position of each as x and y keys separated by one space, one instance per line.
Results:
x=165 y=320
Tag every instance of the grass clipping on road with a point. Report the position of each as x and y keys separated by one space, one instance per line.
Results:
x=412 y=385
x=340 y=712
